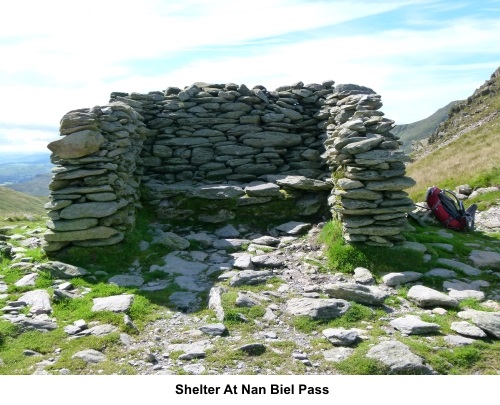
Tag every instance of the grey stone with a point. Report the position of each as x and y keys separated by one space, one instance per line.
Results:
x=301 y=183
x=341 y=336
x=267 y=241
x=89 y=210
x=202 y=238
x=465 y=268
x=348 y=184
x=467 y=329
x=243 y=300
x=215 y=302
x=77 y=144
x=243 y=262
x=214 y=329
x=398 y=357
x=90 y=356
x=125 y=280
x=268 y=138
x=319 y=309
x=268 y=261
x=461 y=295
x=337 y=354
x=488 y=321
x=250 y=277
x=427 y=297
x=230 y=244
x=404 y=277
x=228 y=231
x=371 y=295
x=438 y=272
x=185 y=301
x=216 y=192
x=193 y=355
x=172 y=241
x=484 y=258
x=39 y=300
x=454 y=340
x=363 y=276
x=418 y=247
x=72 y=225
x=29 y=324
x=263 y=190
x=27 y=280
x=395 y=184
x=115 y=303
x=252 y=348
x=61 y=270
x=413 y=325
x=98 y=232
x=444 y=246
x=293 y=228
x=176 y=265
x=102 y=330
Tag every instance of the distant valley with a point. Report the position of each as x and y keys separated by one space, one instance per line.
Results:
x=27 y=173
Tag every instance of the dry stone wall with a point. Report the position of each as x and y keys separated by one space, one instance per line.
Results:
x=216 y=152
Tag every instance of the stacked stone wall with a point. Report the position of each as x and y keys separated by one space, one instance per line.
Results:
x=369 y=170
x=210 y=152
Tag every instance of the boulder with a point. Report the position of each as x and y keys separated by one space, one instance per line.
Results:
x=370 y=295
x=317 y=308
x=427 y=297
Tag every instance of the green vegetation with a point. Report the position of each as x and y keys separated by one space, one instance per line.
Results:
x=17 y=205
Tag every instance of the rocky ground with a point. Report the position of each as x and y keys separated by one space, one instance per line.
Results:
x=244 y=301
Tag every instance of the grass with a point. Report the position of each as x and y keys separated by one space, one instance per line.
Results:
x=16 y=205
x=344 y=257
x=471 y=159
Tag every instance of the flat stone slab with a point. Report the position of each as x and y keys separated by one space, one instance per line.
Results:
x=250 y=277
x=467 y=329
x=263 y=190
x=176 y=265
x=484 y=258
x=337 y=354
x=341 y=336
x=418 y=247
x=90 y=356
x=61 y=270
x=202 y=238
x=39 y=300
x=36 y=323
x=456 y=265
x=191 y=283
x=293 y=228
x=243 y=261
x=230 y=244
x=459 y=285
x=266 y=241
x=461 y=295
x=216 y=192
x=228 y=231
x=27 y=280
x=155 y=285
x=185 y=300
x=214 y=329
x=427 y=297
x=371 y=295
x=454 y=340
x=439 y=272
x=317 y=308
x=488 y=321
x=102 y=330
x=269 y=261
x=413 y=325
x=126 y=280
x=115 y=303
x=171 y=240
x=398 y=357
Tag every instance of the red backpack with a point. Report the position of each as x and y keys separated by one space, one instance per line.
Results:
x=449 y=210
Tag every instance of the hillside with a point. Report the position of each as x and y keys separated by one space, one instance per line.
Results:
x=14 y=202
x=419 y=130
x=37 y=186
x=464 y=148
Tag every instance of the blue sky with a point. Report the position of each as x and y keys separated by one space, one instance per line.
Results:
x=59 y=55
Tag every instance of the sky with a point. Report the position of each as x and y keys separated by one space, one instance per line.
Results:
x=60 y=55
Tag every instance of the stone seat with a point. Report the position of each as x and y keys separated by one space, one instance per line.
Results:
x=277 y=196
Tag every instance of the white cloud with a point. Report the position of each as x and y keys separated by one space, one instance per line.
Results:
x=58 y=56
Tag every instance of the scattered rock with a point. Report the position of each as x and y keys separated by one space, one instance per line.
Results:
x=393 y=279
x=341 y=336
x=398 y=357
x=413 y=325
x=115 y=303
x=467 y=329
x=90 y=356
x=320 y=308
x=427 y=297
x=371 y=295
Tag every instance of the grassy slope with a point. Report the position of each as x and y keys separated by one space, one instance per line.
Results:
x=13 y=202
x=419 y=130
x=473 y=158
